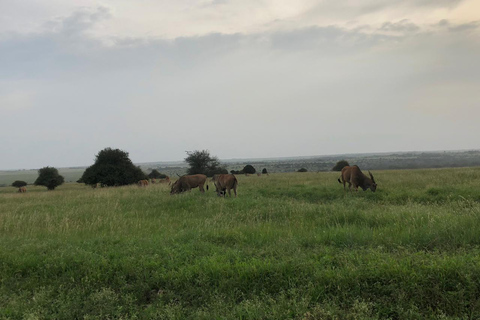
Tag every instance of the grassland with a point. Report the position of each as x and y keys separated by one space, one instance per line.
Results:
x=291 y=246
x=29 y=176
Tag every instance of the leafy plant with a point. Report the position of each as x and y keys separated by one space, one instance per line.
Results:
x=112 y=167
x=49 y=177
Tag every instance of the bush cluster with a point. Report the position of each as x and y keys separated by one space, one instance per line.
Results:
x=248 y=169
x=49 y=177
x=112 y=167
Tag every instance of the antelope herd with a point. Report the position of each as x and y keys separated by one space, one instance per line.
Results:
x=226 y=182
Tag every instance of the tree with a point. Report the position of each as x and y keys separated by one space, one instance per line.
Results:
x=264 y=171
x=112 y=167
x=19 y=183
x=156 y=175
x=302 y=170
x=340 y=164
x=249 y=169
x=49 y=177
x=201 y=162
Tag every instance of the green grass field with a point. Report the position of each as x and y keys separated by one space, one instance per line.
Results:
x=291 y=246
x=29 y=176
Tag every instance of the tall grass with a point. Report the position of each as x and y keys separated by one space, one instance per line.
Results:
x=290 y=246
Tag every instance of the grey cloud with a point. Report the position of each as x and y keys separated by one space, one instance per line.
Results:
x=79 y=21
x=216 y=2
x=401 y=26
x=327 y=39
x=443 y=23
x=302 y=81
x=359 y=8
x=465 y=27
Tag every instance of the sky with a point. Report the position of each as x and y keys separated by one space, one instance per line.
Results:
x=240 y=78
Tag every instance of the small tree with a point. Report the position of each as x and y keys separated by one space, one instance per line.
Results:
x=112 y=167
x=156 y=175
x=302 y=170
x=49 y=177
x=340 y=164
x=249 y=169
x=19 y=183
x=201 y=162
x=264 y=171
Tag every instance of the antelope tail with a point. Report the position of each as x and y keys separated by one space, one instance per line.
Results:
x=339 y=180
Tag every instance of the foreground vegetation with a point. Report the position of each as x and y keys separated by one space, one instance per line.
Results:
x=290 y=246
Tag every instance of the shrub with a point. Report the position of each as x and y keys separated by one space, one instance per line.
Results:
x=49 y=177
x=18 y=184
x=201 y=162
x=340 y=164
x=302 y=170
x=156 y=175
x=264 y=171
x=112 y=167
x=249 y=169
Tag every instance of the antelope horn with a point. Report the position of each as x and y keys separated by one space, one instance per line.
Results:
x=371 y=176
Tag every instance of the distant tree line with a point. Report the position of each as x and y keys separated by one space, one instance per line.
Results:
x=248 y=169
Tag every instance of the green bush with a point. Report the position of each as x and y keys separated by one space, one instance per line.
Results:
x=49 y=177
x=156 y=175
x=112 y=167
x=249 y=169
x=339 y=165
x=201 y=162
x=18 y=184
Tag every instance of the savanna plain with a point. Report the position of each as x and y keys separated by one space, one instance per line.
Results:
x=290 y=246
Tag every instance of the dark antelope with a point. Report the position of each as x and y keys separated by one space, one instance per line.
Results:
x=354 y=176
x=224 y=183
x=186 y=183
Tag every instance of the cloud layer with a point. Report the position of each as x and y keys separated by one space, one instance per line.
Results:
x=274 y=82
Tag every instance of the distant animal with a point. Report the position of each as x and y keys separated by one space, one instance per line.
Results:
x=259 y=174
x=165 y=180
x=153 y=180
x=224 y=183
x=142 y=183
x=354 y=176
x=188 y=182
x=22 y=189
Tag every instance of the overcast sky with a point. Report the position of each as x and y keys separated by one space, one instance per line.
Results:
x=241 y=78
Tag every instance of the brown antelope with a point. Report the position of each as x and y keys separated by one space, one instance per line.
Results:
x=224 y=183
x=354 y=176
x=142 y=183
x=186 y=183
x=166 y=180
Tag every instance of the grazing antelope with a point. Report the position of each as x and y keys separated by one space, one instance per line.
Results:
x=186 y=183
x=166 y=180
x=354 y=176
x=142 y=183
x=224 y=183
